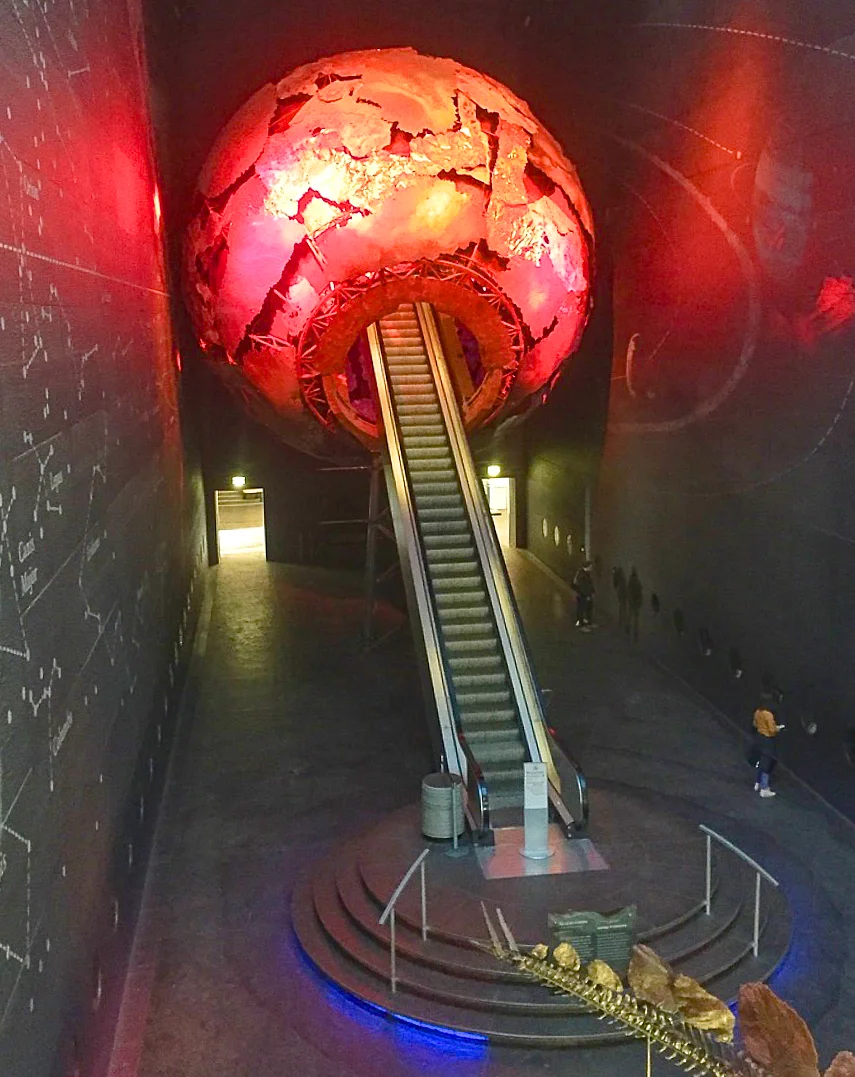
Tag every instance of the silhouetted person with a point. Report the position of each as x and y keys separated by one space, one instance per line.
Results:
x=619 y=584
x=764 y=754
x=634 y=599
x=583 y=585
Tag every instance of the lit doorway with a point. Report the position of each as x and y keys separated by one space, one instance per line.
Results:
x=500 y=498
x=240 y=523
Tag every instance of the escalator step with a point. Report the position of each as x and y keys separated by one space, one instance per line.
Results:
x=448 y=548
x=459 y=591
x=482 y=698
x=411 y=393
x=452 y=579
x=459 y=634
x=476 y=665
x=417 y=429
x=458 y=647
x=467 y=615
x=455 y=578
x=430 y=452
x=442 y=515
x=511 y=752
x=431 y=500
x=407 y=383
x=420 y=441
x=465 y=557
x=427 y=484
x=499 y=734
x=445 y=527
x=486 y=682
x=439 y=460
x=430 y=468
x=485 y=725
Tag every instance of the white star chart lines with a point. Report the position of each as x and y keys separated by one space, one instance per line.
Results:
x=71 y=388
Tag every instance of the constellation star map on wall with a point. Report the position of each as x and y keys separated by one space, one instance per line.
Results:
x=90 y=468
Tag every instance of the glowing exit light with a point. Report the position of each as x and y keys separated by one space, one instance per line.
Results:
x=238 y=481
x=494 y=471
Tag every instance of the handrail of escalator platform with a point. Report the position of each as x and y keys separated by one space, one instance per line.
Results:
x=477 y=793
x=424 y=598
x=581 y=782
x=498 y=583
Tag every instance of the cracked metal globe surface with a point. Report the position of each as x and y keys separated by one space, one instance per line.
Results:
x=370 y=179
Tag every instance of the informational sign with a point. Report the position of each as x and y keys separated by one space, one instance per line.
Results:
x=536 y=812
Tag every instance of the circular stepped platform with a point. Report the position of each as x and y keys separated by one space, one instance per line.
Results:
x=451 y=981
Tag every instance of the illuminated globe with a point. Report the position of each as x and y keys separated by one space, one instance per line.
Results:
x=371 y=179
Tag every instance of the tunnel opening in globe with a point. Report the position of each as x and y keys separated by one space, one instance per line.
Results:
x=365 y=181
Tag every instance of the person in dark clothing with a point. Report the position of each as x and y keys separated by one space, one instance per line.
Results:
x=619 y=584
x=635 y=600
x=583 y=585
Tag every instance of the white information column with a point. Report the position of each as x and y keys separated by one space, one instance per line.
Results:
x=536 y=812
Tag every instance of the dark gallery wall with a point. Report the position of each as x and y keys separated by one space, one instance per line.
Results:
x=728 y=475
x=101 y=537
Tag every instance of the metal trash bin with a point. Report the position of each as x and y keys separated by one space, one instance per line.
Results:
x=437 y=814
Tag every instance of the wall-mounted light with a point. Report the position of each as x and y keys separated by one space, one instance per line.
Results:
x=238 y=481
x=494 y=471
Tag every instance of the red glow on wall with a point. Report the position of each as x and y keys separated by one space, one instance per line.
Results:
x=361 y=164
x=834 y=311
x=157 y=210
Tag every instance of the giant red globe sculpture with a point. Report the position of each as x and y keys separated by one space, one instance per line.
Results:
x=371 y=179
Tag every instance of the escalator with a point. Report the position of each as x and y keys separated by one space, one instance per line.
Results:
x=476 y=665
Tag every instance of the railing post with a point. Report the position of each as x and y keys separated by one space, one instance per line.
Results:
x=756 y=946
x=392 y=967
x=424 y=903
x=709 y=876
x=453 y=811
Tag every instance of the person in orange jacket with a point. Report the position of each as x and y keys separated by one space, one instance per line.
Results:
x=763 y=751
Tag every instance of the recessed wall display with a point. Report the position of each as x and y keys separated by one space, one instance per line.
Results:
x=679 y=622
x=544 y=527
x=568 y=542
x=556 y=536
x=705 y=642
x=735 y=660
x=654 y=602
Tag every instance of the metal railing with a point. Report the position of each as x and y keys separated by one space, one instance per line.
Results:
x=760 y=874
x=389 y=913
x=573 y=781
x=477 y=801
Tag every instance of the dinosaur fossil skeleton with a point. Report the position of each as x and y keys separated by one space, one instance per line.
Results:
x=692 y=1049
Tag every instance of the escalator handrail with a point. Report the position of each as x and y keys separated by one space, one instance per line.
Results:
x=581 y=824
x=477 y=794
x=506 y=615
x=418 y=569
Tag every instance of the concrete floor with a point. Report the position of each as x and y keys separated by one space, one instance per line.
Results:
x=294 y=740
